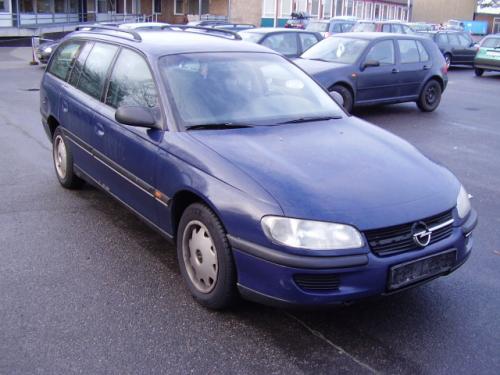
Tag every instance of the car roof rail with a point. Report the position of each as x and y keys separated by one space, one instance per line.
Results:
x=135 y=35
x=221 y=33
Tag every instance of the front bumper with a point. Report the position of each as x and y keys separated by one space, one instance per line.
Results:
x=269 y=276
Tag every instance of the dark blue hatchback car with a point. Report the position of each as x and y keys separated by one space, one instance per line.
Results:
x=269 y=190
x=379 y=68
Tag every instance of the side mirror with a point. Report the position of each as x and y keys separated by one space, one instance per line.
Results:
x=135 y=116
x=371 y=63
x=337 y=97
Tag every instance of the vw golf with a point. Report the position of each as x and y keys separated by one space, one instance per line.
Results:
x=267 y=187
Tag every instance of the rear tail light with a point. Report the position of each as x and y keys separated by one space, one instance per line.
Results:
x=444 y=69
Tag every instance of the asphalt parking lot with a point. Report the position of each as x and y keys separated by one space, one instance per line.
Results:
x=86 y=287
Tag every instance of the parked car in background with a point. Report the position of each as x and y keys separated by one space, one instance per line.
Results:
x=298 y=20
x=143 y=25
x=266 y=187
x=376 y=68
x=455 y=25
x=488 y=56
x=45 y=49
x=235 y=26
x=457 y=47
x=335 y=25
x=208 y=23
x=422 y=26
x=382 y=26
x=288 y=42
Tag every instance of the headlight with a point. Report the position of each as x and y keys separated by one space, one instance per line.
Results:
x=48 y=50
x=313 y=235
x=463 y=203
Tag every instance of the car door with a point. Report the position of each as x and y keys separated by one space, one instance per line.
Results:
x=285 y=43
x=378 y=83
x=76 y=110
x=468 y=47
x=129 y=153
x=412 y=68
x=459 y=54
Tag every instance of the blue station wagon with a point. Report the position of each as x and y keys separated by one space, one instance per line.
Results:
x=267 y=187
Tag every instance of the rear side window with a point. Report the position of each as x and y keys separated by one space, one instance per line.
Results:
x=386 y=28
x=424 y=55
x=80 y=61
x=383 y=52
x=307 y=40
x=96 y=68
x=131 y=82
x=318 y=27
x=464 y=41
x=442 y=39
x=397 y=29
x=408 y=51
x=346 y=27
x=453 y=38
x=284 y=43
x=63 y=59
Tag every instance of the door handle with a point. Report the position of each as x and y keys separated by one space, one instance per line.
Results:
x=99 y=129
x=426 y=67
x=395 y=71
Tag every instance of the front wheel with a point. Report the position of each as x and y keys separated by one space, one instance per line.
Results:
x=63 y=161
x=478 y=72
x=430 y=97
x=346 y=96
x=205 y=258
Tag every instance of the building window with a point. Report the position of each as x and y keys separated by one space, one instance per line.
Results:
x=348 y=7
x=157 y=6
x=286 y=8
x=268 y=8
x=338 y=7
x=368 y=11
x=194 y=6
x=179 y=7
x=73 y=6
x=301 y=6
x=59 y=6
x=359 y=9
x=376 y=12
x=314 y=8
x=106 y=6
x=327 y=8
x=43 y=6
x=4 y=5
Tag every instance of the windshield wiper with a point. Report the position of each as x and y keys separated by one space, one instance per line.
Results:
x=310 y=119
x=217 y=126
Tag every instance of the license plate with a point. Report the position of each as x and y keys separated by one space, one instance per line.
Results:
x=493 y=53
x=412 y=272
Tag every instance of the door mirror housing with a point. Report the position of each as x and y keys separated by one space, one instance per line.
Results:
x=371 y=63
x=136 y=116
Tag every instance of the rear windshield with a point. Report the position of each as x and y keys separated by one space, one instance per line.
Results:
x=318 y=27
x=491 y=43
x=340 y=49
x=364 y=27
x=251 y=37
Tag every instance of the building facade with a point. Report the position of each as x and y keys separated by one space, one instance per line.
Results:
x=276 y=12
x=440 y=11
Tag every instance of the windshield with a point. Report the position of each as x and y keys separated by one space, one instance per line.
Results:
x=241 y=88
x=340 y=50
x=491 y=43
x=251 y=36
x=318 y=27
x=364 y=27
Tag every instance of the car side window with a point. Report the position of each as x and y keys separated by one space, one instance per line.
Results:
x=307 y=40
x=424 y=55
x=383 y=52
x=63 y=59
x=442 y=39
x=96 y=68
x=464 y=41
x=397 y=29
x=284 y=43
x=386 y=28
x=131 y=82
x=408 y=51
x=407 y=29
x=453 y=38
x=346 y=27
x=80 y=61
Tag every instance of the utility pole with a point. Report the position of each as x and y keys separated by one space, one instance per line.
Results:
x=199 y=8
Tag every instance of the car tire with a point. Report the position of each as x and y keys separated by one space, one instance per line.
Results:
x=63 y=161
x=430 y=97
x=447 y=59
x=346 y=96
x=205 y=258
x=478 y=72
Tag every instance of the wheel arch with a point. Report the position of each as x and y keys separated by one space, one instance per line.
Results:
x=347 y=85
x=52 y=124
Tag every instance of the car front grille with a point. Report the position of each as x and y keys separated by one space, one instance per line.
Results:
x=399 y=238
x=318 y=282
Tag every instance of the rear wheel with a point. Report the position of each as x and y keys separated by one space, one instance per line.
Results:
x=346 y=96
x=63 y=161
x=478 y=72
x=205 y=258
x=430 y=97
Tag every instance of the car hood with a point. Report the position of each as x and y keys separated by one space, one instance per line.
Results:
x=323 y=71
x=343 y=170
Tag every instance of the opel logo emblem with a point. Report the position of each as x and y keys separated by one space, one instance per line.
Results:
x=421 y=234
